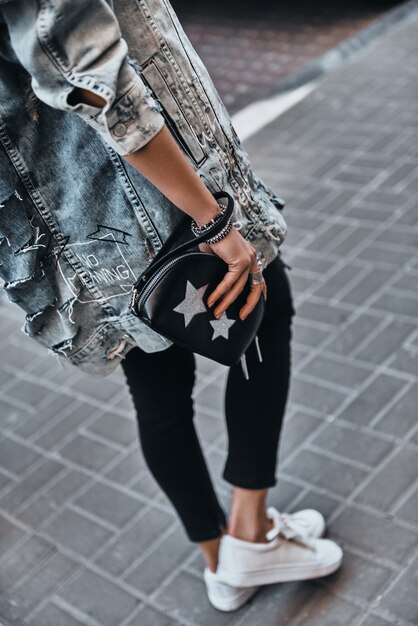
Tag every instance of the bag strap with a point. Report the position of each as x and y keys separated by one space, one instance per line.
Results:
x=169 y=249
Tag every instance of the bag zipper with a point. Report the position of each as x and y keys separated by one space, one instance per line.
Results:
x=138 y=299
x=243 y=359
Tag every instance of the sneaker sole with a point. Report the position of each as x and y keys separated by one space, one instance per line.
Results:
x=232 y=605
x=271 y=576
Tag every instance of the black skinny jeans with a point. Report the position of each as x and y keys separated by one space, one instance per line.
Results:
x=161 y=384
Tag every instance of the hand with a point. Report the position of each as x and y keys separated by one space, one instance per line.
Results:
x=241 y=258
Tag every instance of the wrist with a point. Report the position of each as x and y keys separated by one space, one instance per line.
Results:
x=221 y=234
x=207 y=213
x=202 y=230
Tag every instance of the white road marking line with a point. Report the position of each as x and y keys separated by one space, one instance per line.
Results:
x=256 y=115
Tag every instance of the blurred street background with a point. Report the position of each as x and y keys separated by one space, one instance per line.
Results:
x=86 y=536
x=250 y=48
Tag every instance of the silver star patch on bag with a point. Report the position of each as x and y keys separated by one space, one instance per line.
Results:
x=221 y=326
x=192 y=303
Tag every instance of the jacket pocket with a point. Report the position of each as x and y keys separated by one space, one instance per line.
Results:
x=172 y=112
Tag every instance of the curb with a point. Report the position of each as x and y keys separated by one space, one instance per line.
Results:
x=343 y=51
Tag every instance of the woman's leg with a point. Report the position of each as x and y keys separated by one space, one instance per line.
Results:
x=161 y=384
x=255 y=408
x=254 y=411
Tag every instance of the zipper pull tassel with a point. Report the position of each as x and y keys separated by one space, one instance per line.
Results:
x=260 y=358
x=244 y=366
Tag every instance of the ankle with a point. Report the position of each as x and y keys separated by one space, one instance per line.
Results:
x=255 y=532
x=210 y=550
x=246 y=535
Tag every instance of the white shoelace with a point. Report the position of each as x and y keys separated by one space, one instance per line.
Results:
x=287 y=527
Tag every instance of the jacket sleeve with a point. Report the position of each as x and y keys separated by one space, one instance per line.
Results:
x=64 y=45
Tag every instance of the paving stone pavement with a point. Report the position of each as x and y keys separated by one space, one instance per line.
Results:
x=87 y=538
x=250 y=48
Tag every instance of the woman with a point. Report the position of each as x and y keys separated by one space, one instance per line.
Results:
x=110 y=128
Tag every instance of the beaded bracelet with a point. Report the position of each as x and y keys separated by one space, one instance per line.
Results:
x=200 y=230
x=222 y=233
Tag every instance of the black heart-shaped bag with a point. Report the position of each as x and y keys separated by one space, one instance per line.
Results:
x=171 y=296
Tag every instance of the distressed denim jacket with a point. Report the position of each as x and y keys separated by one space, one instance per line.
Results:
x=78 y=224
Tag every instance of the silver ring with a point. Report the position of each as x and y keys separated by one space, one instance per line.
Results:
x=257 y=277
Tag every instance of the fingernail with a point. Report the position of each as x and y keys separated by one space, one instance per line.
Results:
x=243 y=316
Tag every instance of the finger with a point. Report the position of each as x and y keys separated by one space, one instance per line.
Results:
x=230 y=278
x=224 y=287
x=252 y=300
x=255 y=292
x=205 y=247
x=232 y=294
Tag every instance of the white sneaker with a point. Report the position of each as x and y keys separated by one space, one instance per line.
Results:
x=289 y=555
x=229 y=597
x=226 y=597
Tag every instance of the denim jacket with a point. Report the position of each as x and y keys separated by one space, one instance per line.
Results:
x=78 y=224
